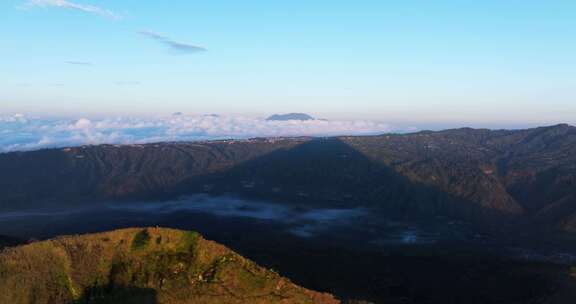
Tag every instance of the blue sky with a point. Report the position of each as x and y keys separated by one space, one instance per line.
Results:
x=452 y=63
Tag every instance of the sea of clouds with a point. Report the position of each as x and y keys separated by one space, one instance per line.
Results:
x=19 y=132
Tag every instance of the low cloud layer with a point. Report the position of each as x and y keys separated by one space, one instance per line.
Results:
x=86 y=8
x=22 y=133
x=172 y=44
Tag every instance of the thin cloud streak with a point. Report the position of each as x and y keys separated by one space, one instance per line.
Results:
x=127 y=83
x=174 y=45
x=86 y=8
x=85 y=63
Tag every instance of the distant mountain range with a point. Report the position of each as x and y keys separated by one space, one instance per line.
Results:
x=143 y=266
x=492 y=177
x=290 y=116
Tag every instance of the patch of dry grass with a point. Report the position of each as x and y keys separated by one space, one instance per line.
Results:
x=145 y=265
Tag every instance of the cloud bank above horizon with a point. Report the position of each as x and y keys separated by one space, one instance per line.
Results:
x=20 y=132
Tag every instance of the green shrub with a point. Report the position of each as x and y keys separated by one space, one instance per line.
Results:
x=141 y=240
x=188 y=241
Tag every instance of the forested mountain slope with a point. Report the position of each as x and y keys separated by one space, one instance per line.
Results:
x=475 y=174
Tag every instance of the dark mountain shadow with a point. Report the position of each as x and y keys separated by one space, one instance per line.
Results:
x=116 y=295
x=322 y=173
x=275 y=167
x=331 y=173
x=311 y=172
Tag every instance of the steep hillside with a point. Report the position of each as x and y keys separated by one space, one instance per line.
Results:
x=140 y=266
x=482 y=175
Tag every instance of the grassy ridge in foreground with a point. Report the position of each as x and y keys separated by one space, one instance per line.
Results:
x=140 y=265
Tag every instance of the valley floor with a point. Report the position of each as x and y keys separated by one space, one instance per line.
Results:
x=354 y=254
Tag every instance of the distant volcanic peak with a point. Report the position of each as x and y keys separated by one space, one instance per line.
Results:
x=290 y=116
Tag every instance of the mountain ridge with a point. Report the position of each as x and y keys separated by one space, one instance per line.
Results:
x=474 y=174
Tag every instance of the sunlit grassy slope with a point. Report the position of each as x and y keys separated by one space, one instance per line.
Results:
x=140 y=265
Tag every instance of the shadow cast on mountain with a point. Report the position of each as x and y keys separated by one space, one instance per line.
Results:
x=331 y=173
x=312 y=172
x=322 y=173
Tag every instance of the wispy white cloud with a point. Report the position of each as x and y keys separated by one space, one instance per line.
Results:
x=84 y=63
x=174 y=45
x=86 y=8
x=20 y=132
x=127 y=83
